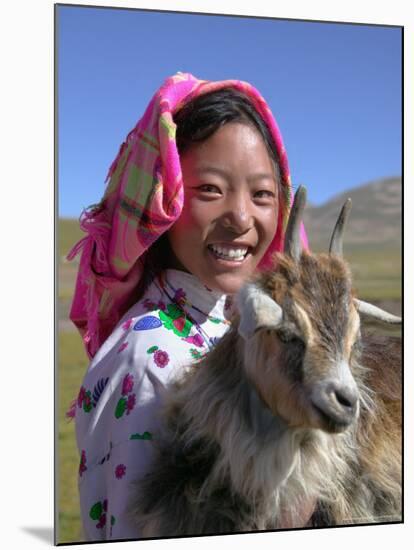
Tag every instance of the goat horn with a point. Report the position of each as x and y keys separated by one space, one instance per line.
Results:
x=335 y=246
x=376 y=313
x=292 y=236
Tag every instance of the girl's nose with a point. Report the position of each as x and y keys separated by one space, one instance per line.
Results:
x=238 y=217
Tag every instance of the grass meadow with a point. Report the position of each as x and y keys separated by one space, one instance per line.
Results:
x=377 y=277
x=72 y=363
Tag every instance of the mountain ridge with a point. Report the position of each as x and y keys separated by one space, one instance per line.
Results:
x=375 y=218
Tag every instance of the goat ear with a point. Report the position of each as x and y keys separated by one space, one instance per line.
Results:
x=376 y=313
x=257 y=310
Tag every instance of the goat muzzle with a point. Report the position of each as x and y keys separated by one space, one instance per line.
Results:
x=336 y=405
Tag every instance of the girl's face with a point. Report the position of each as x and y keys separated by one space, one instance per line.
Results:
x=230 y=208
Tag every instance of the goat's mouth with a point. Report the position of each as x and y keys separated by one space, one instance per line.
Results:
x=332 y=422
x=335 y=405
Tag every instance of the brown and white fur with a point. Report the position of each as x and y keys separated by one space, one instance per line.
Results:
x=292 y=420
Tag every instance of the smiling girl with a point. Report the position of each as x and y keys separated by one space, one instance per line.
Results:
x=196 y=203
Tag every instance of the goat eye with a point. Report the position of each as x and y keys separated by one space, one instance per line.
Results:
x=287 y=337
x=357 y=346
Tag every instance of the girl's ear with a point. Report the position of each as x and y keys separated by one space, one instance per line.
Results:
x=257 y=310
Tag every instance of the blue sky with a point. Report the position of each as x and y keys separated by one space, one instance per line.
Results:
x=334 y=88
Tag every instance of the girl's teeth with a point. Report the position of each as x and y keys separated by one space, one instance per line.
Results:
x=237 y=254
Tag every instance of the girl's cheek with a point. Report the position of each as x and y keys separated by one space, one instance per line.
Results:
x=269 y=217
x=199 y=214
x=267 y=228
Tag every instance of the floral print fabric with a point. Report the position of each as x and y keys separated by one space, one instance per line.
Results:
x=119 y=400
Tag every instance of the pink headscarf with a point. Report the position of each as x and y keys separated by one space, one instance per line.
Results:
x=143 y=199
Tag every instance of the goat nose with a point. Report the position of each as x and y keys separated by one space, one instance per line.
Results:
x=346 y=397
x=336 y=405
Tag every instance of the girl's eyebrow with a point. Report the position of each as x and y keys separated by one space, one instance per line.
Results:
x=225 y=174
x=213 y=170
x=262 y=176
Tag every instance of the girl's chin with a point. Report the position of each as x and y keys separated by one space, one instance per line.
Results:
x=227 y=276
x=226 y=283
x=218 y=274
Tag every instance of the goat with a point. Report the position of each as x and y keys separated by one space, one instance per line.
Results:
x=292 y=420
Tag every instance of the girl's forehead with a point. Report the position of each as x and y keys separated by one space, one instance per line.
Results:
x=234 y=144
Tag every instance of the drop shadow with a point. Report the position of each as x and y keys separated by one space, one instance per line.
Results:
x=43 y=533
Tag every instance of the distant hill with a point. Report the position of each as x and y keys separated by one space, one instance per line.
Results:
x=372 y=241
x=375 y=218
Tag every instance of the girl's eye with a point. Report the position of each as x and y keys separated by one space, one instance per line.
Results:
x=208 y=188
x=264 y=194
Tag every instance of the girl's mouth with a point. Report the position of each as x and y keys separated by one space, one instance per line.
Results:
x=229 y=253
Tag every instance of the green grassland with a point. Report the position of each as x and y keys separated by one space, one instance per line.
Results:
x=72 y=363
x=377 y=277
x=376 y=271
x=69 y=234
x=377 y=274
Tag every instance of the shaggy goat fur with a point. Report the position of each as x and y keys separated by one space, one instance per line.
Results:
x=239 y=449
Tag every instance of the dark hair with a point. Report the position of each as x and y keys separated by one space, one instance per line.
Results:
x=196 y=121
x=205 y=114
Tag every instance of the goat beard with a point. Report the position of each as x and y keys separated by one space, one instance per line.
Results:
x=299 y=517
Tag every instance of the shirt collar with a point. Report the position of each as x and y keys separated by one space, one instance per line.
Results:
x=188 y=290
